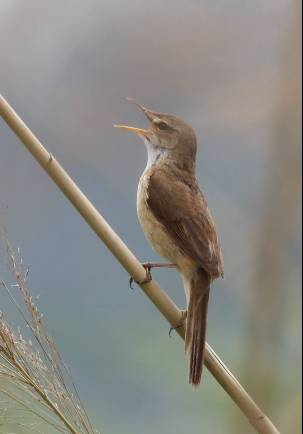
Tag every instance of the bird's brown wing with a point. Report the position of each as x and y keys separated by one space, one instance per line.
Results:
x=177 y=202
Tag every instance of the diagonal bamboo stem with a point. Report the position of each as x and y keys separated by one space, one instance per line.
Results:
x=159 y=298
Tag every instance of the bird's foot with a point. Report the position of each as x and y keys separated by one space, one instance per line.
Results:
x=183 y=320
x=148 y=277
x=148 y=266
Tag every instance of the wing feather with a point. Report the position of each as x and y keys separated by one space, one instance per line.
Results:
x=177 y=202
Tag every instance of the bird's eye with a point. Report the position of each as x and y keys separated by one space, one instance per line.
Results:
x=162 y=125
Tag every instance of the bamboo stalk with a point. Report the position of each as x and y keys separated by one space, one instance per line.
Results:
x=131 y=264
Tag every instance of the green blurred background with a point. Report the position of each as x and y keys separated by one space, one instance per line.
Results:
x=232 y=70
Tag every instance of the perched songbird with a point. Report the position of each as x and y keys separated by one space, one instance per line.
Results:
x=177 y=222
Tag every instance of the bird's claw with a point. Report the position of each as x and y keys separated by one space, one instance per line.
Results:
x=147 y=279
x=131 y=281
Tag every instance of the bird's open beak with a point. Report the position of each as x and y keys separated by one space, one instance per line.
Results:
x=139 y=131
x=148 y=113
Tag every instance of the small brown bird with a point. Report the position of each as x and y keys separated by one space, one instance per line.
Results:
x=177 y=222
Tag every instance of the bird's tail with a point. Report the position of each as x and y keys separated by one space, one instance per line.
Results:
x=198 y=287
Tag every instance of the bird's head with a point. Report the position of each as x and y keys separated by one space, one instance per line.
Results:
x=167 y=135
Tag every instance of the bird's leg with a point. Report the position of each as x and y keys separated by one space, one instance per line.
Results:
x=148 y=266
x=183 y=320
x=158 y=265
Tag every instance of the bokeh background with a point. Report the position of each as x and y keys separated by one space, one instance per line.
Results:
x=232 y=70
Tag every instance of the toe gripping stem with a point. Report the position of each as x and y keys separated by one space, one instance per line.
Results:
x=147 y=279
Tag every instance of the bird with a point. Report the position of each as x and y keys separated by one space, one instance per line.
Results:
x=177 y=222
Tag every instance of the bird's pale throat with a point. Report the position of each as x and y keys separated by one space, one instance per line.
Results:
x=155 y=153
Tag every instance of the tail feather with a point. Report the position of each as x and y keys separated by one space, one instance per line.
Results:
x=196 y=324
